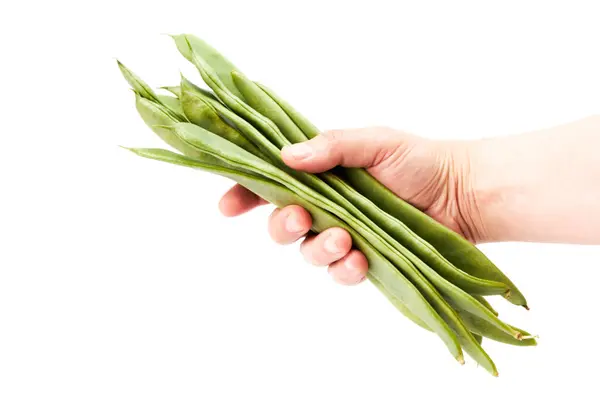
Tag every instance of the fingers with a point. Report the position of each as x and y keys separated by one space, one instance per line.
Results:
x=288 y=224
x=239 y=200
x=333 y=247
x=348 y=148
x=351 y=269
x=327 y=247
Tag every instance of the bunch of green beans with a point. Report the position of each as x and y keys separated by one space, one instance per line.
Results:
x=236 y=129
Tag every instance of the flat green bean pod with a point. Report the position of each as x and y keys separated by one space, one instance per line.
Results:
x=172 y=103
x=482 y=327
x=199 y=112
x=190 y=44
x=400 y=306
x=142 y=89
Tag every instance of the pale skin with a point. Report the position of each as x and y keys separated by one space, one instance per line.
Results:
x=539 y=186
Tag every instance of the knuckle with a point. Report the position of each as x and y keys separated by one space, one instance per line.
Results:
x=333 y=136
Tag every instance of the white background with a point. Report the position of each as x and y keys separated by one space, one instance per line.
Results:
x=119 y=279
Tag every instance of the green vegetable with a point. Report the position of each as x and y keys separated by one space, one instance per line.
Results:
x=436 y=279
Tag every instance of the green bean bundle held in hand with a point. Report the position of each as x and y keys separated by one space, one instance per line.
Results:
x=433 y=276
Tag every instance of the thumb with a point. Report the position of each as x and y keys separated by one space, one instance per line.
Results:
x=349 y=148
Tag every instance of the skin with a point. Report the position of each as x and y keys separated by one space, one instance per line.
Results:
x=539 y=186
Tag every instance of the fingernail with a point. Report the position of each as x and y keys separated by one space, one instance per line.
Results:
x=300 y=151
x=293 y=224
x=331 y=245
x=355 y=270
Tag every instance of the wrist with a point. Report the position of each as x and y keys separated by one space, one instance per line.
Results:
x=466 y=215
x=490 y=192
x=538 y=186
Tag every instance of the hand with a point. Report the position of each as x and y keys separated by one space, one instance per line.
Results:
x=431 y=175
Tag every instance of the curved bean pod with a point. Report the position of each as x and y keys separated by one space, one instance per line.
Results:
x=199 y=112
x=190 y=44
x=172 y=103
x=482 y=327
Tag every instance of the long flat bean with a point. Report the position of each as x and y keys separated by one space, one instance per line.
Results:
x=199 y=112
x=142 y=89
x=482 y=327
x=190 y=44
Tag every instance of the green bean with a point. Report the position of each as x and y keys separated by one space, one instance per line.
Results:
x=158 y=118
x=262 y=102
x=481 y=327
x=142 y=89
x=266 y=126
x=460 y=299
x=172 y=103
x=157 y=112
x=220 y=148
x=301 y=122
x=452 y=246
x=189 y=44
x=400 y=306
x=244 y=127
x=199 y=112
x=393 y=284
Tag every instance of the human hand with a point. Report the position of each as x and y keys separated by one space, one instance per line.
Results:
x=431 y=175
